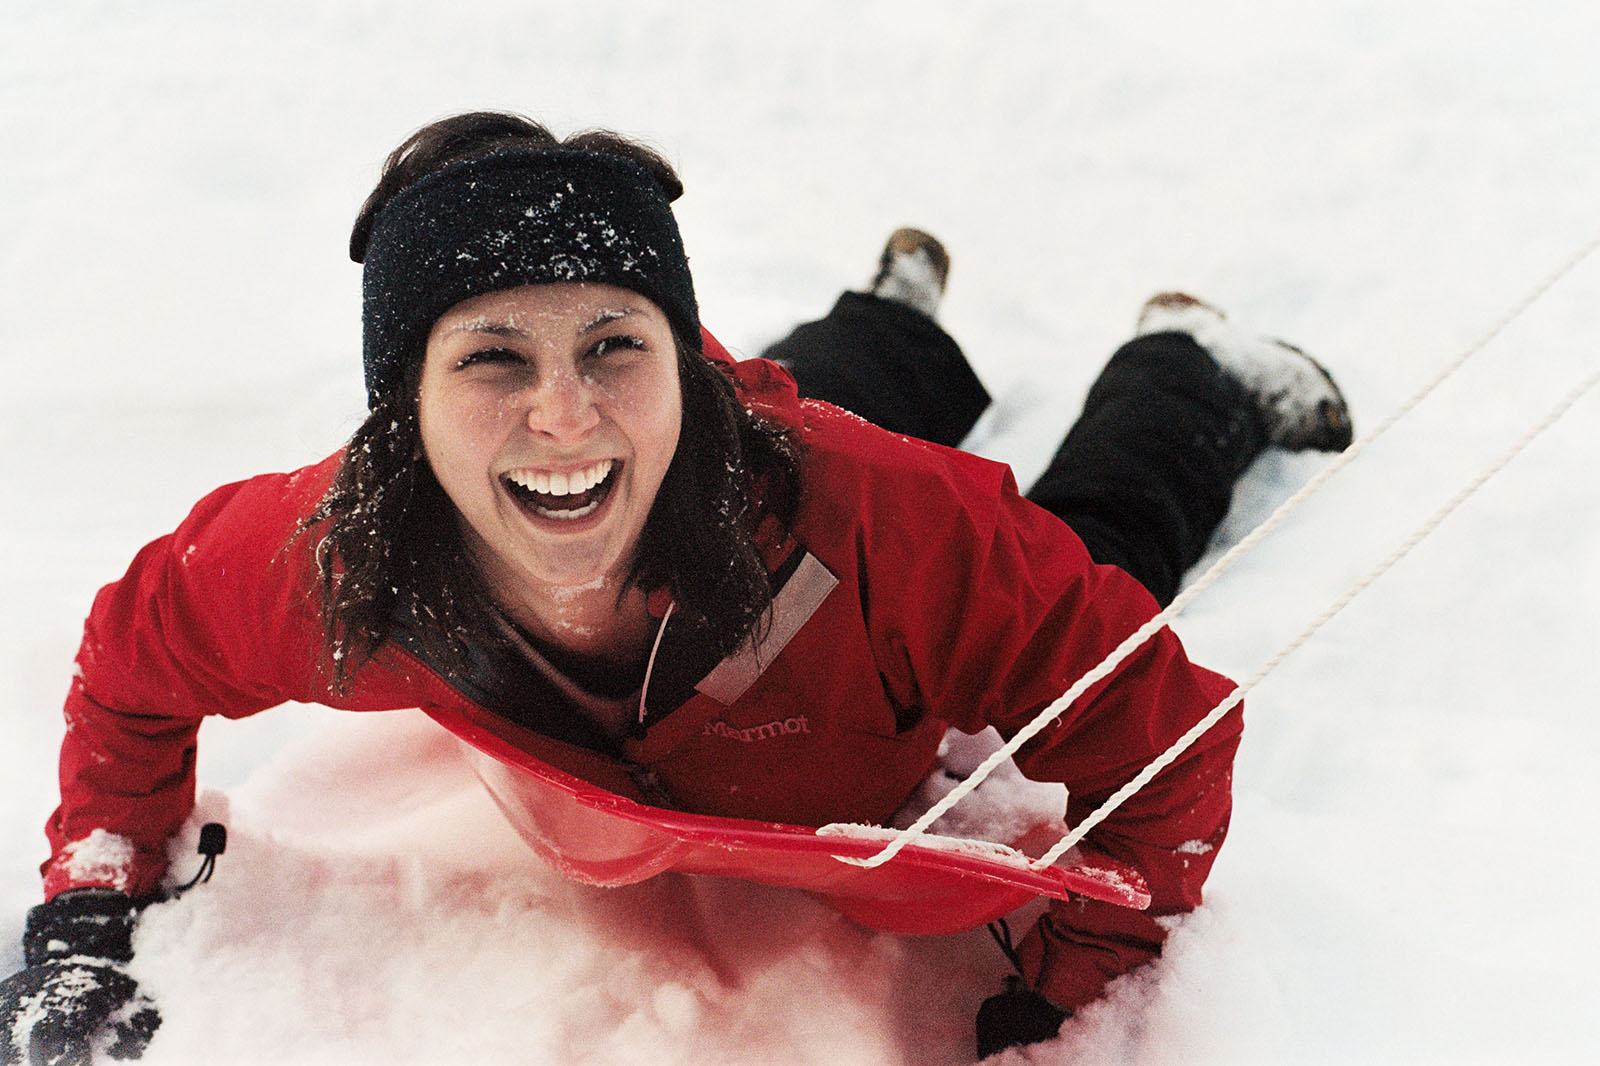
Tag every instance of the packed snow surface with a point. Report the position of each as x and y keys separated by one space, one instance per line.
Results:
x=1412 y=858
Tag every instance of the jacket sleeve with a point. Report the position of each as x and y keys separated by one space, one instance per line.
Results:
x=215 y=618
x=993 y=611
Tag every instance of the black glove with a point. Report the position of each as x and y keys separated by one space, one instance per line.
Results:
x=74 y=993
x=1015 y=1017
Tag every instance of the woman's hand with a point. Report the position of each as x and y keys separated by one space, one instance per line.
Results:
x=1015 y=1018
x=74 y=992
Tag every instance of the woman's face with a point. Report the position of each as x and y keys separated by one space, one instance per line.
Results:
x=549 y=414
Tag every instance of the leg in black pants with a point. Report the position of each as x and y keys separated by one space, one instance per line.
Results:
x=1147 y=472
x=1143 y=477
x=888 y=363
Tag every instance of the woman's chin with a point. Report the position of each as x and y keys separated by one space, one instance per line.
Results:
x=523 y=568
x=573 y=563
x=573 y=574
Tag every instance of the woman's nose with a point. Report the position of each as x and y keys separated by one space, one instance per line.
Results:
x=563 y=407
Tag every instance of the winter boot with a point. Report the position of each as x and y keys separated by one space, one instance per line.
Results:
x=1299 y=402
x=912 y=270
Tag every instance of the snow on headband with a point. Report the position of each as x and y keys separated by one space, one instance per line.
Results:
x=515 y=218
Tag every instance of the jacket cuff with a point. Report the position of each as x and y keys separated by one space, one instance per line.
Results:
x=103 y=860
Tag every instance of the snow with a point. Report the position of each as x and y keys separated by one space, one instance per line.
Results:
x=1407 y=878
x=98 y=857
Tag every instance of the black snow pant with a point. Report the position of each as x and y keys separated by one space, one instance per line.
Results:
x=1143 y=476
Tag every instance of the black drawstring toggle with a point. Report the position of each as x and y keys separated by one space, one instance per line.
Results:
x=213 y=842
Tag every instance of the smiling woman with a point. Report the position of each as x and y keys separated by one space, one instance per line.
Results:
x=549 y=415
x=572 y=518
x=503 y=387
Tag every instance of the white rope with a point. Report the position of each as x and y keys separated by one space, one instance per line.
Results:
x=1237 y=695
x=1140 y=636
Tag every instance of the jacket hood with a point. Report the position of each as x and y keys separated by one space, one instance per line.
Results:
x=765 y=387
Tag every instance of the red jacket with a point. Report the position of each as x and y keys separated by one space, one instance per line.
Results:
x=957 y=603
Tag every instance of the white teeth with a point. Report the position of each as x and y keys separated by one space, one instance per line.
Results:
x=563 y=484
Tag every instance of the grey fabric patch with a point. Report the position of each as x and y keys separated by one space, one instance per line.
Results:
x=794 y=605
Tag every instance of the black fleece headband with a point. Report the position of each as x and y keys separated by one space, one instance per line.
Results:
x=515 y=218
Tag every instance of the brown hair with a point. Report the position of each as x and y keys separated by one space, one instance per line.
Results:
x=389 y=550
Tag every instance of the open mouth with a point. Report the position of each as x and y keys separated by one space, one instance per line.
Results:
x=563 y=497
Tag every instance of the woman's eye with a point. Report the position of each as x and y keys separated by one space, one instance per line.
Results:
x=621 y=342
x=488 y=356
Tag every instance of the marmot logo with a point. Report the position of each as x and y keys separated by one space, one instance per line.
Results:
x=758 y=732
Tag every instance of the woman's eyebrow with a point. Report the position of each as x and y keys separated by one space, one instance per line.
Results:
x=506 y=329
x=608 y=314
x=497 y=329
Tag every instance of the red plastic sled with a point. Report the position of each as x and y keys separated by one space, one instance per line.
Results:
x=936 y=885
